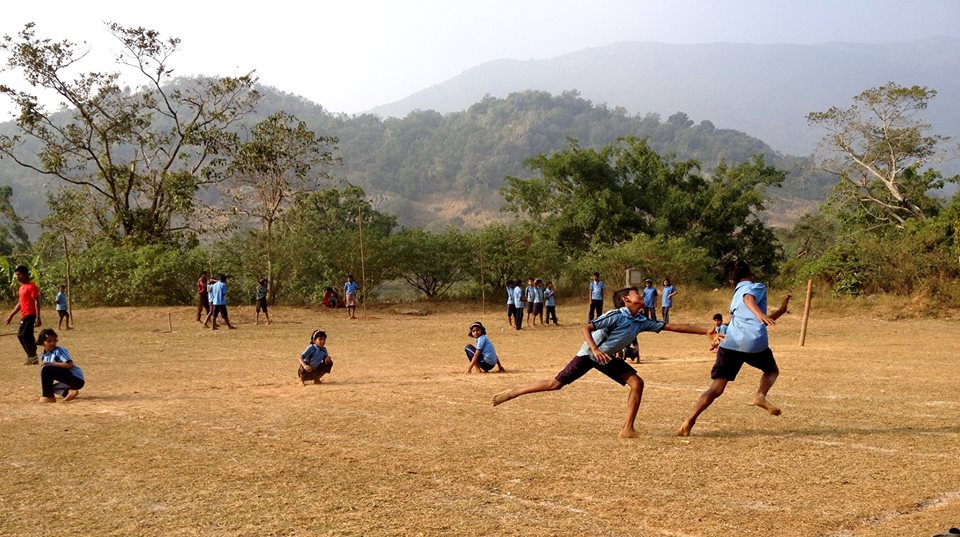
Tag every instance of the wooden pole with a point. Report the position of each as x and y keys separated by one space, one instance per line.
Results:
x=66 y=256
x=806 y=313
x=363 y=274
x=483 y=290
x=169 y=321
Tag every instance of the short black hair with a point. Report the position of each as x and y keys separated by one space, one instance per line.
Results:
x=45 y=334
x=316 y=334
x=740 y=270
x=22 y=269
x=620 y=293
x=597 y=274
x=223 y=278
x=718 y=317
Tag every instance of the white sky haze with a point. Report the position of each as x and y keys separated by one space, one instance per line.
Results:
x=352 y=56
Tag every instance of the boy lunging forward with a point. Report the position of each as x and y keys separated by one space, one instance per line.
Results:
x=603 y=338
x=745 y=343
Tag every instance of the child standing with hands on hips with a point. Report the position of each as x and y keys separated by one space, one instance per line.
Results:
x=58 y=373
x=315 y=362
x=482 y=356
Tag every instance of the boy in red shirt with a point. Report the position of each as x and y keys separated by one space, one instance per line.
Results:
x=29 y=308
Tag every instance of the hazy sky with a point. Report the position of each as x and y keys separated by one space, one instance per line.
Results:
x=350 y=56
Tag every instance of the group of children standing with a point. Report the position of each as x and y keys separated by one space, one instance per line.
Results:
x=533 y=299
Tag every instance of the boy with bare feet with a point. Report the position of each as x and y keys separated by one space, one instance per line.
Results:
x=614 y=331
x=746 y=343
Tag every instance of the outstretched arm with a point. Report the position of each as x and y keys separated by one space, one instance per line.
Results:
x=694 y=329
x=782 y=309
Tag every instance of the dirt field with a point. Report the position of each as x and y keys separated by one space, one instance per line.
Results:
x=207 y=433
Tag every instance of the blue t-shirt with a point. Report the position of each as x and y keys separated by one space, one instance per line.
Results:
x=350 y=288
x=616 y=329
x=722 y=329
x=666 y=301
x=510 y=301
x=531 y=292
x=314 y=355
x=650 y=297
x=488 y=354
x=60 y=355
x=596 y=290
x=61 y=301
x=746 y=333
x=548 y=294
x=518 y=296
x=218 y=294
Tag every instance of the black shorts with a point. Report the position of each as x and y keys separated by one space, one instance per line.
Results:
x=262 y=305
x=729 y=362
x=62 y=313
x=530 y=308
x=538 y=308
x=616 y=369
x=220 y=310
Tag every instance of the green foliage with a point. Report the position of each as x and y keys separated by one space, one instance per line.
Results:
x=431 y=262
x=136 y=157
x=511 y=252
x=587 y=198
x=108 y=275
x=660 y=257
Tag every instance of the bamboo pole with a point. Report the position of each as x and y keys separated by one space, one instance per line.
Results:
x=363 y=274
x=66 y=256
x=806 y=313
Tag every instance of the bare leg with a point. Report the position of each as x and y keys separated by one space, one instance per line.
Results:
x=706 y=399
x=533 y=387
x=633 y=405
x=760 y=399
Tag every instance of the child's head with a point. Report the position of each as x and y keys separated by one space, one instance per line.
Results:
x=625 y=297
x=262 y=281
x=530 y=281
x=740 y=271
x=718 y=319
x=549 y=285
x=47 y=338
x=477 y=329
x=63 y=287
x=509 y=283
x=596 y=276
x=203 y=275
x=318 y=338
x=349 y=277
x=538 y=283
x=223 y=278
x=648 y=283
x=22 y=273
x=666 y=282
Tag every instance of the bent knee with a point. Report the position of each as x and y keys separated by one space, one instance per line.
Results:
x=555 y=385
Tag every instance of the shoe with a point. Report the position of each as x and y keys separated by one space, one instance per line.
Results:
x=33 y=360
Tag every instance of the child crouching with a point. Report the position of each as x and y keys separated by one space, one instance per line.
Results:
x=482 y=356
x=58 y=373
x=315 y=362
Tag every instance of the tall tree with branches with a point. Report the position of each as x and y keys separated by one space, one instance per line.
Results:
x=880 y=148
x=139 y=155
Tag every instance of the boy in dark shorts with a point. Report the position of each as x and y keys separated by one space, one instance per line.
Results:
x=614 y=331
x=262 y=288
x=745 y=343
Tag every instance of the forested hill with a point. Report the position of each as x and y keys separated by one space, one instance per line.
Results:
x=765 y=90
x=433 y=170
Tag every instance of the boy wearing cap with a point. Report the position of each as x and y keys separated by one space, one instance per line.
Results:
x=482 y=356
x=603 y=338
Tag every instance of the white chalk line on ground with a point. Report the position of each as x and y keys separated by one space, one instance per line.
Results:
x=886 y=516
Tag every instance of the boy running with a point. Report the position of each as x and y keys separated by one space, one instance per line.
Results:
x=746 y=343
x=614 y=331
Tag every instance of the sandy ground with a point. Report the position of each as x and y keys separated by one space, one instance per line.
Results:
x=194 y=432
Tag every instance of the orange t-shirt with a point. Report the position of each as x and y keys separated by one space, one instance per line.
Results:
x=28 y=299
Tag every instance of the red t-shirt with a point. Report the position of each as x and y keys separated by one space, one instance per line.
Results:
x=28 y=299
x=201 y=286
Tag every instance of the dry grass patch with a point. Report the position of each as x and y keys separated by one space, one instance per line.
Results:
x=197 y=432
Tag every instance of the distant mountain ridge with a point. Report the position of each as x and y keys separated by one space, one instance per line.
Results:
x=763 y=90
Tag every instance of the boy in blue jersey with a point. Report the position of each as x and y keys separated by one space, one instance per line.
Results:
x=350 y=295
x=511 y=305
x=745 y=342
x=603 y=338
x=596 y=297
x=649 y=300
x=518 y=304
x=218 y=302
x=62 y=307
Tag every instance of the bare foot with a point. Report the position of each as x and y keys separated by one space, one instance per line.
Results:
x=762 y=402
x=685 y=428
x=71 y=395
x=47 y=400
x=628 y=433
x=501 y=397
x=318 y=381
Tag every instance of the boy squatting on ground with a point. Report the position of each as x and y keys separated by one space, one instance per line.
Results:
x=315 y=362
x=604 y=337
